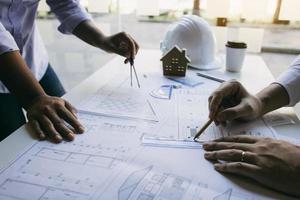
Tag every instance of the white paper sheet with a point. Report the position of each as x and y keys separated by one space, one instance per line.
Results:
x=109 y=161
x=122 y=103
x=72 y=170
x=164 y=173
x=181 y=118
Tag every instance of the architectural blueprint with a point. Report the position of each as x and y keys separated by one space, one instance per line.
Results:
x=150 y=184
x=153 y=177
x=72 y=170
x=120 y=104
x=182 y=117
x=110 y=162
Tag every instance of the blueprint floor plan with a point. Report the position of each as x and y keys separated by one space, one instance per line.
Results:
x=110 y=162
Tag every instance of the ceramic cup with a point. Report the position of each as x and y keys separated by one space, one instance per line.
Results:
x=235 y=55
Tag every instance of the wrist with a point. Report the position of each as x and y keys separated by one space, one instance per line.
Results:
x=260 y=105
x=32 y=100
x=100 y=41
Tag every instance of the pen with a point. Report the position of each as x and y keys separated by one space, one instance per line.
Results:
x=203 y=128
x=210 y=77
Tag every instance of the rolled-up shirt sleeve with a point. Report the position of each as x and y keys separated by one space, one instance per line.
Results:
x=290 y=80
x=7 y=42
x=69 y=12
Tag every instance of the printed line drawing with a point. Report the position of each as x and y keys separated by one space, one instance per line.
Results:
x=225 y=196
x=41 y=192
x=79 y=158
x=150 y=184
x=131 y=183
x=119 y=107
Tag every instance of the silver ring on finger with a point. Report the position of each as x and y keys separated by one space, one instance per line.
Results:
x=243 y=156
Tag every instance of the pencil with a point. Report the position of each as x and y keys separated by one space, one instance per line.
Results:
x=210 y=77
x=203 y=128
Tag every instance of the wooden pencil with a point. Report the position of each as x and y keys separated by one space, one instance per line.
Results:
x=203 y=128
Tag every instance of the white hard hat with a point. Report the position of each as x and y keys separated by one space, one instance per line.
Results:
x=195 y=35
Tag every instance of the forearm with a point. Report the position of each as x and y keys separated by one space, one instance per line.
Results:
x=273 y=97
x=17 y=77
x=120 y=43
x=89 y=33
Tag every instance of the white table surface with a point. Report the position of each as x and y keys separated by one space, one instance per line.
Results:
x=255 y=76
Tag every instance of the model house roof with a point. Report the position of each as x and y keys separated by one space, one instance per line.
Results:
x=175 y=52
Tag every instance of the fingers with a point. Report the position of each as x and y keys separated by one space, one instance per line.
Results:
x=60 y=125
x=213 y=146
x=134 y=47
x=37 y=129
x=49 y=130
x=241 y=110
x=125 y=45
x=69 y=117
x=214 y=104
x=239 y=139
x=240 y=168
x=65 y=131
x=51 y=116
x=227 y=90
x=71 y=108
x=136 y=50
x=232 y=155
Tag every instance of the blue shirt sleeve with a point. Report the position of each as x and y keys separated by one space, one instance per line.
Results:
x=7 y=42
x=290 y=80
x=69 y=12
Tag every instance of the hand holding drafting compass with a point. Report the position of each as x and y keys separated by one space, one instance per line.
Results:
x=131 y=61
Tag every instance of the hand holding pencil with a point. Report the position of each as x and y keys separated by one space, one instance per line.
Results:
x=231 y=101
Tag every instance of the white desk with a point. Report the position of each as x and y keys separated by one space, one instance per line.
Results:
x=255 y=76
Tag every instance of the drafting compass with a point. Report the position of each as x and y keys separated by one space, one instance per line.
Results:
x=131 y=61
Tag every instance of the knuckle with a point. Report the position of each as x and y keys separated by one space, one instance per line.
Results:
x=232 y=153
x=213 y=154
x=248 y=107
x=58 y=103
x=232 y=146
x=213 y=145
x=255 y=159
x=261 y=148
x=236 y=139
x=217 y=94
x=234 y=82
x=266 y=140
x=49 y=128
x=238 y=166
x=59 y=122
x=60 y=108
x=46 y=109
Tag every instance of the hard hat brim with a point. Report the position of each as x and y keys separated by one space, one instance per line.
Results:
x=216 y=64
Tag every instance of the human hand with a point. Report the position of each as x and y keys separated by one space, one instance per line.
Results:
x=122 y=44
x=273 y=163
x=243 y=106
x=47 y=116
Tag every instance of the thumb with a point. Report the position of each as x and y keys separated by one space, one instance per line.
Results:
x=233 y=113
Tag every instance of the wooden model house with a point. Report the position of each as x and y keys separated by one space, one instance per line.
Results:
x=175 y=62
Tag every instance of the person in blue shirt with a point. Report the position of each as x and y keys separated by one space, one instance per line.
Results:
x=27 y=79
